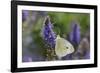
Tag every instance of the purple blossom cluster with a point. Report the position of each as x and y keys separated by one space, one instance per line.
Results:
x=48 y=34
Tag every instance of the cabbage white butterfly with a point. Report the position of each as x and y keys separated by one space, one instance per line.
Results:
x=63 y=47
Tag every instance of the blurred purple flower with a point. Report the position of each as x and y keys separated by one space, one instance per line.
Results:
x=36 y=57
x=67 y=57
x=74 y=36
x=87 y=55
x=28 y=56
x=48 y=34
x=33 y=58
x=27 y=59
x=25 y=14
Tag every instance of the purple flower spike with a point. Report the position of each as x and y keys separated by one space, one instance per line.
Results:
x=75 y=34
x=48 y=34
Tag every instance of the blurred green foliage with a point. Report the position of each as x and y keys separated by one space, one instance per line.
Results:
x=62 y=21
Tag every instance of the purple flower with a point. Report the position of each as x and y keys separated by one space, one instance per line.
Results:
x=33 y=58
x=25 y=14
x=48 y=34
x=67 y=57
x=87 y=55
x=75 y=34
x=27 y=59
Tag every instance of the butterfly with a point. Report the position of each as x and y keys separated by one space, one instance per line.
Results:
x=63 y=47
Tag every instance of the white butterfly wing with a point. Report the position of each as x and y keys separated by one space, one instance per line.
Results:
x=63 y=47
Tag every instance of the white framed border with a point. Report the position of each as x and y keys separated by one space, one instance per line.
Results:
x=53 y=63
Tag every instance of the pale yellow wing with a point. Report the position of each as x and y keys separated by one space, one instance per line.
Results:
x=63 y=47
